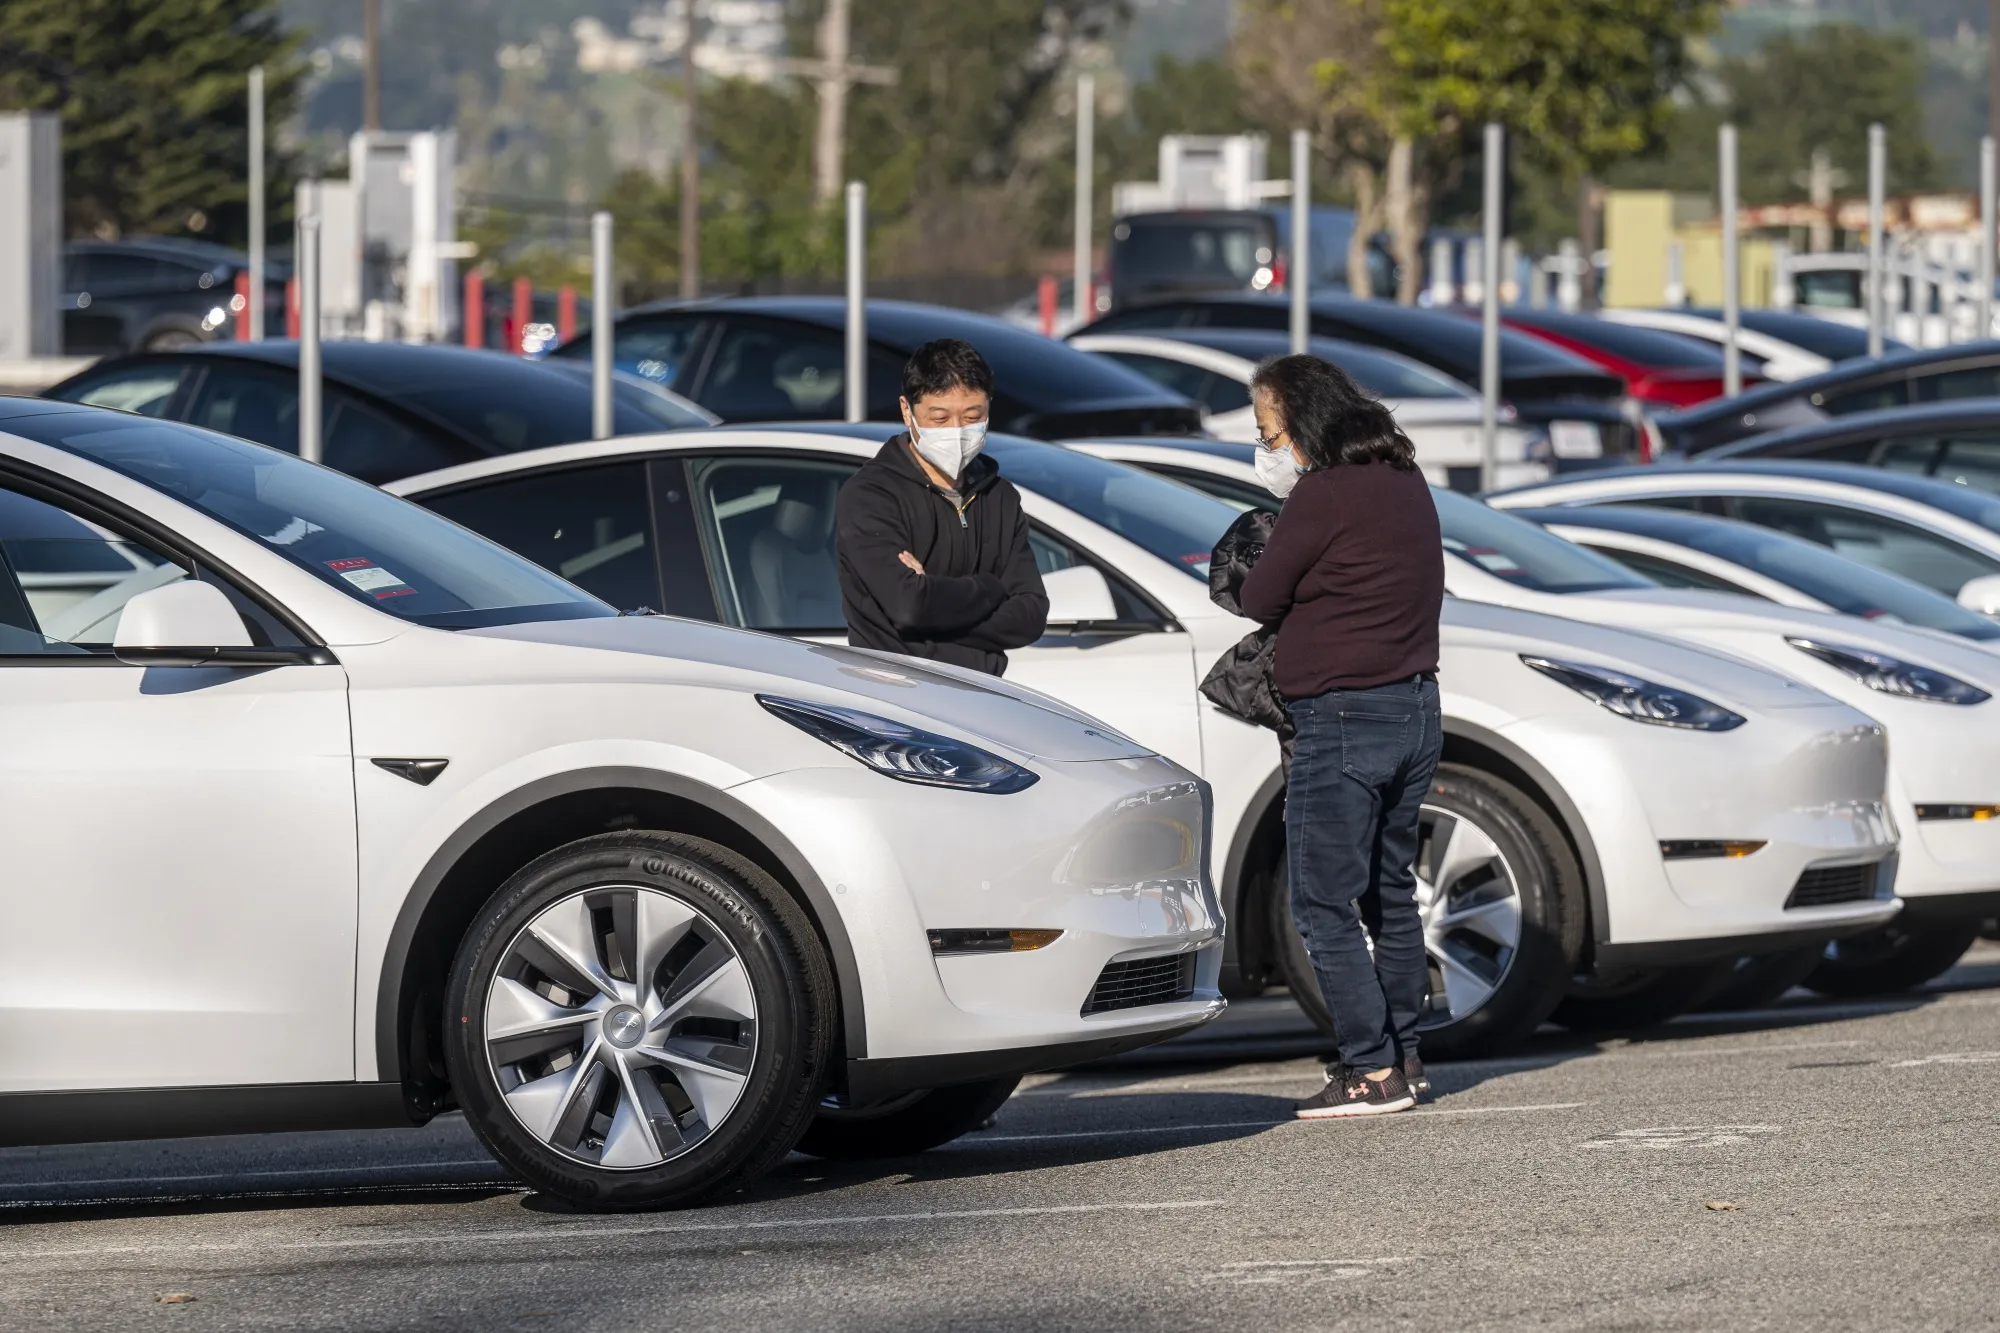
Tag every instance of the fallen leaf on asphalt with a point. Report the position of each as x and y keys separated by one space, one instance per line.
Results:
x=173 y=1298
x=1722 y=1206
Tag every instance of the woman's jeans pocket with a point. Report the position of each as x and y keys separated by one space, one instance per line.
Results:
x=1373 y=742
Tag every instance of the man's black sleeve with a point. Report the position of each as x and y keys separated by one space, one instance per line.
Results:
x=1024 y=616
x=920 y=605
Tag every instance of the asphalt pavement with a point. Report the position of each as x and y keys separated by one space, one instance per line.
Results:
x=1814 y=1165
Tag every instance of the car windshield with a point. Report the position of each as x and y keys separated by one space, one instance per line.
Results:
x=377 y=549
x=1516 y=550
x=1845 y=585
x=1179 y=525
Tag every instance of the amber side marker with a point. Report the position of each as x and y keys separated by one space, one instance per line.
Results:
x=990 y=941
x=1694 y=849
x=1974 y=812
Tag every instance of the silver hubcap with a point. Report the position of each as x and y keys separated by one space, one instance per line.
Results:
x=1471 y=907
x=621 y=1027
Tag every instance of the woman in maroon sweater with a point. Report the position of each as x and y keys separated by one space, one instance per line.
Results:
x=1353 y=578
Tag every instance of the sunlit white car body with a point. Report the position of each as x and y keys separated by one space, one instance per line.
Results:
x=214 y=856
x=1805 y=774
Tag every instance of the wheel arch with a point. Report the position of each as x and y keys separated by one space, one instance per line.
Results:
x=504 y=836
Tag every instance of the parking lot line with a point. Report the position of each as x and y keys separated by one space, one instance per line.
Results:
x=333 y=1173
x=1420 y=1114
x=560 y=1232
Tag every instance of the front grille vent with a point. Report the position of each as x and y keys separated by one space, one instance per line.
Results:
x=1142 y=981
x=1823 y=886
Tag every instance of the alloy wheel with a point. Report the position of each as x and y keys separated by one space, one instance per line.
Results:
x=1470 y=902
x=621 y=1026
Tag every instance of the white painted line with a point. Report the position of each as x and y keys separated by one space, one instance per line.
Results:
x=1681 y=1136
x=560 y=1232
x=1422 y=1113
x=1951 y=1058
x=250 y=1179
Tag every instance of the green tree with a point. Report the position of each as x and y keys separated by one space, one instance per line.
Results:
x=154 y=102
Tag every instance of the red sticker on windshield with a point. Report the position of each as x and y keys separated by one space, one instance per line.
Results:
x=355 y=562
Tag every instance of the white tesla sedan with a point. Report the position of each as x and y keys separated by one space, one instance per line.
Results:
x=1598 y=789
x=329 y=812
x=1441 y=416
x=1932 y=690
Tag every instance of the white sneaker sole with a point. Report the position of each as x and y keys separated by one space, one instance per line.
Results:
x=1358 y=1109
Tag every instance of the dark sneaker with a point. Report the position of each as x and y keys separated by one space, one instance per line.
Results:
x=1414 y=1075
x=1354 y=1093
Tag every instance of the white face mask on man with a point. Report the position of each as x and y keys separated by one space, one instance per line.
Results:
x=950 y=449
x=1278 y=470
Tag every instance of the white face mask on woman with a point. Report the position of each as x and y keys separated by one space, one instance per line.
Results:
x=950 y=448
x=1278 y=470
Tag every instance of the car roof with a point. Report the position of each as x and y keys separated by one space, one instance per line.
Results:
x=384 y=367
x=1845 y=372
x=1958 y=501
x=165 y=247
x=1879 y=423
x=1224 y=449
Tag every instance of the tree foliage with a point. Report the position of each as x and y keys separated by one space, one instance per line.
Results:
x=154 y=100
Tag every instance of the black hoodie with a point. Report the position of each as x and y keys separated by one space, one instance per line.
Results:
x=980 y=593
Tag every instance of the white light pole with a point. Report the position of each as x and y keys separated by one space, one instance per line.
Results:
x=309 y=368
x=1878 y=171
x=1086 y=176
x=1987 y=185
x=254 y=298
x=1732 y=296
x=603 y=310
x=1299 y=271
x=857 y=301
x=1489 y=321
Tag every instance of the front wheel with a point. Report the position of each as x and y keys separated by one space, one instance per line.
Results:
x=909 y=1124
x=1502 y=901
x=640 y=1019
x=1891 y=959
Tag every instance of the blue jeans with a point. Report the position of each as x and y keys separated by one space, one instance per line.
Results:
x=1360 y=767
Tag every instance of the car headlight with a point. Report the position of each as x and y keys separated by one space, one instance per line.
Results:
x=905 y=753
x=1891 y=675
x=1641 y=700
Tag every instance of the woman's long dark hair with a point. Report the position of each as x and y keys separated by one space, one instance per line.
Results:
x=1329 y=416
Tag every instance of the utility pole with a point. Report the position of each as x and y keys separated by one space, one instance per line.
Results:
x=1086 y=187
x=1589 y=203
x=832 y=75
x=371 y=64
x=691 y=166
x=1821 y=180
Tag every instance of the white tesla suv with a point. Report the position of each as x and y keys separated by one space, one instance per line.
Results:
x=341 y=815
x=1931 y=689
x=1594 y=786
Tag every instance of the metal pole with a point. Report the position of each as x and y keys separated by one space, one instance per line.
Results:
x=1489 y=323
x=857 y=301
x=1086 y=177
x=691 y=171
x=1878 y=170
x=371 y=64
x=1299 y=271
x=255 y=296
x=603 y=311
x=1732 y=296
x=309 y=370
x=1987 y=185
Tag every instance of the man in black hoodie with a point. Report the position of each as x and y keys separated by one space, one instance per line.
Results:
x=934 y=555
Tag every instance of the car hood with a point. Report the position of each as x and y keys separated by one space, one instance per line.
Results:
x=961 y=703
x=1724 y=678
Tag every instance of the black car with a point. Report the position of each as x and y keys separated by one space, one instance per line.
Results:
x=783 y=358
x=154 y=295
x=1582 y=407
x=391 y=409
x=1158 y=255
x=1956 y=441
x=1931 y=375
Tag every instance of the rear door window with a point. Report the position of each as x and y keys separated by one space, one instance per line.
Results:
x=250 y=403
x=366 y=442
x=768 y=525
x=767 y=370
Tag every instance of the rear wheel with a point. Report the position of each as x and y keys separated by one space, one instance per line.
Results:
x=909 y=1124
x=640 y=1019
x=1761 y=979
x=1502 y=901
x=1640 y=998
x=1891 y=959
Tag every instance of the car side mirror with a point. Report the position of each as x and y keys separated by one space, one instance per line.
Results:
x=1981 y=594
x=1079 y=594
x=181 y=624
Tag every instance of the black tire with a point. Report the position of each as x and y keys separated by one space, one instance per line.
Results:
x=787 y=972
x=1894 y=958
x=907 y=1125
x=1760 y=979
x=1641 y=998
x=1549 y=883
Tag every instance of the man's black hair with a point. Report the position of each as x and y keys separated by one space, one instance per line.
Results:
x=942 y=364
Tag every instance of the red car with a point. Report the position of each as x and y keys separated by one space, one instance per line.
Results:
x=1660 y=369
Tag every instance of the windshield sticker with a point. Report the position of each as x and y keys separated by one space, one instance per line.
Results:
x=371 y=578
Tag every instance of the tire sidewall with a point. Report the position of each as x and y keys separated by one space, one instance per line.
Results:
x=679 y=868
